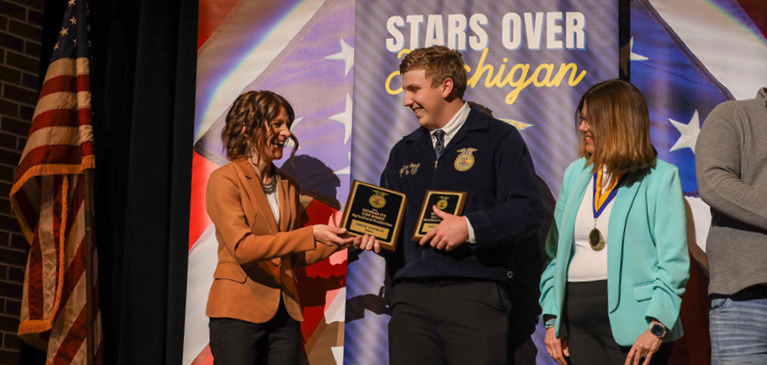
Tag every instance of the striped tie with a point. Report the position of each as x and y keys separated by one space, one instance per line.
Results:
x=439 y=148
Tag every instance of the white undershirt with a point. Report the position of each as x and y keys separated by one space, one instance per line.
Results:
x=274 y=201
x=587 y=264
x=451 y=129
x=453 y=125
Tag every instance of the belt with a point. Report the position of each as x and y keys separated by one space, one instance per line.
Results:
x=758 y=291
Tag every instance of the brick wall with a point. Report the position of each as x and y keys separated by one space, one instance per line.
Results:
x=20 y=37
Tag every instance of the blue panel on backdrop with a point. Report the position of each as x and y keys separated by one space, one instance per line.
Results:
x=530 y=61
x=667 y=72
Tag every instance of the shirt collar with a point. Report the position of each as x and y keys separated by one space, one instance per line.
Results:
x=456 y=122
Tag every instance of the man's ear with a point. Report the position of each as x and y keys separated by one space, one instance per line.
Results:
x=447 y=88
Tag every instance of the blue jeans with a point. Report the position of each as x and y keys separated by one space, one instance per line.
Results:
x=738 y=331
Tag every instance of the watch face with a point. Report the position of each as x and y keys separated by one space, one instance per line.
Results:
x=657 y=330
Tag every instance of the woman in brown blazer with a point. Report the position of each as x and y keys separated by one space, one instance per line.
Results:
x=253 y=305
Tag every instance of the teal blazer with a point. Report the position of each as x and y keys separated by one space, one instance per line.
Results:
x=647 y=260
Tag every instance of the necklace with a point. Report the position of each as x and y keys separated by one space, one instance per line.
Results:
x=268 y=188
x=602 y=197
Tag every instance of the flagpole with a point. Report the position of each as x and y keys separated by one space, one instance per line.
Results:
x=89 y=266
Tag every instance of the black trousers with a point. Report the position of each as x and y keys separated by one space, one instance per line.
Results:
x=449 y=323
x=590 y=338
x=236 y=342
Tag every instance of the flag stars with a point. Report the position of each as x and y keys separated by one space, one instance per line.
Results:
x=56 y=46
x=629 y=47
x=73 y=20
x=346 y=170
x=345 y=118
x=74 y=40
x=346 y=55
x=64 y=31
x=689 y=133
x=635 y=56
x=71 y=2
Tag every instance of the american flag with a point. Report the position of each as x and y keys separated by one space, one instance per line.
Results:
x=48 y=199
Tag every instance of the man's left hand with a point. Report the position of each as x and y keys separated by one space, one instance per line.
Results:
x=449 y=234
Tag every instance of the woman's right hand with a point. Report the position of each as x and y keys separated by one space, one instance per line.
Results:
x=367 y=243
x=557 y=348
x=329 y=236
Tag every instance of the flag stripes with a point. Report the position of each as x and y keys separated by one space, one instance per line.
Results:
x=48 y=198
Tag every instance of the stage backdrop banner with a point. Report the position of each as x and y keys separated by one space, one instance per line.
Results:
x=528 y=64
x=303 y=50
x=688 y=56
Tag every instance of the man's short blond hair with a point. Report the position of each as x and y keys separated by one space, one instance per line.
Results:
x=439 y=63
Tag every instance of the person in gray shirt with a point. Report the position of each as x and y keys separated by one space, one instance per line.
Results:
x=731 y=160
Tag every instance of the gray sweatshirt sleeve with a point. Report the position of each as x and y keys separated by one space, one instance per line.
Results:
x=719 y=161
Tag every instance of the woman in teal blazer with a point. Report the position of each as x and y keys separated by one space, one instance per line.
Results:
x=624 y=317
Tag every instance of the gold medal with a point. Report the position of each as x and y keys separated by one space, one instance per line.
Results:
x=596 y=240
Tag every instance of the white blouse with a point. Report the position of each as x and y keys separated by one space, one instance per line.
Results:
x=587 y=264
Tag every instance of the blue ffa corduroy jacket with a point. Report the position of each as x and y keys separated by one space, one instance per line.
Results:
x=502 y=202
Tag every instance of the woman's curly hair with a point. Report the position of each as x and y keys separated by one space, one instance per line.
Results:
x=244 y=134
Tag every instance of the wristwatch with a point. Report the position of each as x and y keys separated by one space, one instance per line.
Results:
x=657 y=329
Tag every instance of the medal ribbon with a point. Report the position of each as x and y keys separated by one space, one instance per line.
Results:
x=602 y=198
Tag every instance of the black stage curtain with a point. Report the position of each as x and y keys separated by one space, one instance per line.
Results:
x=143 y=71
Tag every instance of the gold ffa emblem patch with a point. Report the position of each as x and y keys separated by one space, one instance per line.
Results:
x=465 y=159
x=442 y=203
x=377 y=200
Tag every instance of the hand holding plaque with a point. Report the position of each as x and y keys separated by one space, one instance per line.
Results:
x=374 y=211
x=447 y=201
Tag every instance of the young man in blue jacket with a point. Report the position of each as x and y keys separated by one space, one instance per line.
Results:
x=450 y=300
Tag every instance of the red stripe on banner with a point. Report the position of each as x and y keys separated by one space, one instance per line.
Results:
x=58 y=225
x=83 y=83
x=34 y=281
x=58 y=84
x=76 y=268
x=54 y=118
x=319 y=213
x=72 y=341
x=70 y=83
x=204 y=358
x=50 y=154
x=86 y=149
x=199 y=220
x=72 y=275
x=84 y=115
x=27 y=208
x=76 y=200
x=757 y=11
x=212 y=13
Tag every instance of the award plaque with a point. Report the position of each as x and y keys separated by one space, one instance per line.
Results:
x=447 y=201
x=374 y=211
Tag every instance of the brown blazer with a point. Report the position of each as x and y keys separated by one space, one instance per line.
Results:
x=257 y=259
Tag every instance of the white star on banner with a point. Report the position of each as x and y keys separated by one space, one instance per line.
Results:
x=345 y=118
x=634 y=56
x=346 y=54
x=689 y=133
x=346 y=170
